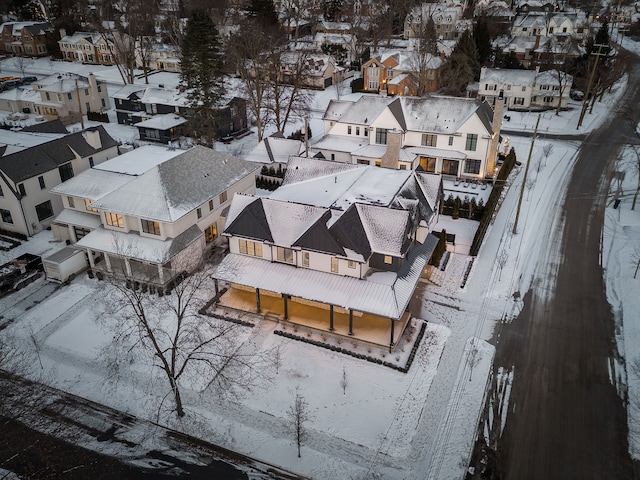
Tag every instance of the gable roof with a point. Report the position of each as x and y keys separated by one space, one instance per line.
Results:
x=275 y=149
x=47 y=156
x=441 y=114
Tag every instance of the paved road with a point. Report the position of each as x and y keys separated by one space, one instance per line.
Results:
x=566 y=419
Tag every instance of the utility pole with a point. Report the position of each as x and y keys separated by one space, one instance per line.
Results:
x=593 y=72
x=524 y=180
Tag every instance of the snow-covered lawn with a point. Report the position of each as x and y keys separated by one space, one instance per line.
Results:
x=386 y=423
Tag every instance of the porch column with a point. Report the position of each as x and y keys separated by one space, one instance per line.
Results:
x=92 y=262
x=286 y=306
x=127 y=267
x=160 y=274
x=107 y=262
x=331 y=318
x=258 y=300
x=350 y=321
x=393 y=324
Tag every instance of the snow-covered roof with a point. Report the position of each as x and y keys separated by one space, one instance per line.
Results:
x=81 y=219
x=340 y=143
x=177 y=186
x=128 y=89
x=387 y=299
x=508 y=75
x=162 y=122
x=137 y=247
x=444 y=115
x=437 y=152
x=366 y=109
x=336 y=109
x=164 y=96
x=61 y=83
x=275 y=149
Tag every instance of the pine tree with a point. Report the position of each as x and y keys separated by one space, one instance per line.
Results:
x=263 y=12
x=482 y=39
x=201 y=73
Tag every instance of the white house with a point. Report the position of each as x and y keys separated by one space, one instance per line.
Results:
x=26 y=176
x=343 y=242
x=447 y=135
x=525 y=89
x=148 y=215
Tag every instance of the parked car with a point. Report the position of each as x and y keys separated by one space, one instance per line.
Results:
x=9 y=84
x=25 y=80
x=576 y=94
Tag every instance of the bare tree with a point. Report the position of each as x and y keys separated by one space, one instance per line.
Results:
x=22 y=63
x=531 y=182
x=344 y=381
x=546 y=152
x=501 y=260
x=169 y=332
x=298 y=414
x=288 y=97
x=632 y=116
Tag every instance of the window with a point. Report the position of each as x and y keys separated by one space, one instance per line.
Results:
x=518 y=100
x=550 y=29
x=334 y=265
x=149 y=226
x=71 y=202
x=210 y=205
x=388 y=259
x=450 y=167
x=22 y=190
x=284 y=255
x=524 y=88
x=44 y=210
x=6 y=216
x=472 y=166
x=508 y=87
x=114 y=219
x=69 y=96
x=1 y=193
x=41 y=182
x=66 y=172
x=428 y=164
x=99 y=88
x=362 y=161
x=223 y=197
x=250 y=248
x=87 y=202
x=211 y=233
x=357 y=130
x=103 y=103
x=199 y=213
x=86 y=92
x=429 y=140
x=47 y=95
x=352 y=264
x=548 y=99
x=381 y=136
x=472 y=142
x=80 y=232
x=305 y=259
x=91 y=162
x=349 y=130
x=450 y=141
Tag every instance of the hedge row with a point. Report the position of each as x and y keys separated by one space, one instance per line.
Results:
x=359 y=356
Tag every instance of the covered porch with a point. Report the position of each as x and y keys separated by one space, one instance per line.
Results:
x=353 y=325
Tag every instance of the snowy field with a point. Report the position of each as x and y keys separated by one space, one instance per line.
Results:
x=384 y=424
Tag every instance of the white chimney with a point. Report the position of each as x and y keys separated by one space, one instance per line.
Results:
x=392 y=154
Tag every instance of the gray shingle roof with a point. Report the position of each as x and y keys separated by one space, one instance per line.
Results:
x=47 y=156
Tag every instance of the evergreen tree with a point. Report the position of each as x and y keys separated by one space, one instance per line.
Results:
x=263 y=11
x=482 y=39
x=201 y=75
x=462 y=67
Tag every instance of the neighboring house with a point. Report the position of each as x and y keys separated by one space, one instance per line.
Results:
x=447 y=17
x=311 y=70
x=448 y=135
x=346 y=243
x=525 y=89
x=574 y=24
x=26 y=177
x=148 y=215
x=92 y=47
x=165 y=128
x=63 y=94
x=135 y=103
x=24 y=38
x=397 y=73
x=157 y=55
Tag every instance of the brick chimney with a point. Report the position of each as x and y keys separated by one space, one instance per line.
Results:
x=392 y=154
x=495 y=127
